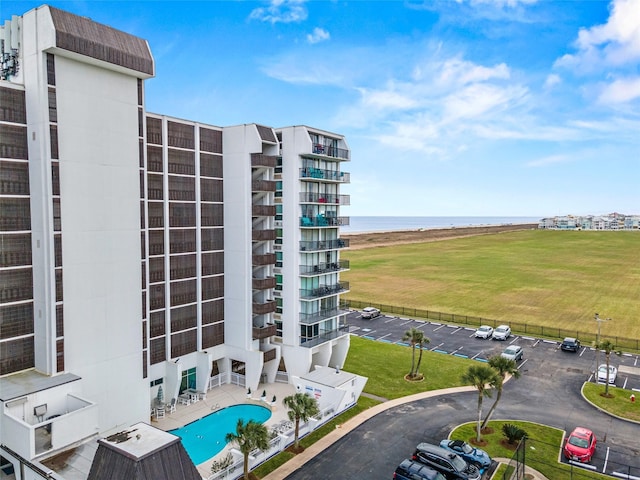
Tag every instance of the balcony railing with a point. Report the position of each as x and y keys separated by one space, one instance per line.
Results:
x=268 y=306
x=263 y=210
x=264 y=259
x=263 y=235
x=330 y=151
x=323 y=221
x=314 y=246
x=324 y=290
x=262 y=160
x=310 y=270
x=324 y=336
x=269 y=330
x=312 y=173
x=317 y=317
x=263 y=283
x=310 y=197
x=263 y=186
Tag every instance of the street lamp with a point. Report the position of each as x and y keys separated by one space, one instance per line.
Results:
x=599 y=321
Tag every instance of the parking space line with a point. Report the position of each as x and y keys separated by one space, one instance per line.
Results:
x=434 y=348
x=515 y=339
x=635 y=362
x=390 y=319
x=536 y=343
x=456 y=350
x=523 y=362
x=624 y=385
x=436 y=329
x=474 y=357
x=606 y=459
x=384 y=336
x=455 y=331
x=583 y=350
x=409 y=321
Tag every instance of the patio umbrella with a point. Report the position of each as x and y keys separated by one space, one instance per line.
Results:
x=160 y=397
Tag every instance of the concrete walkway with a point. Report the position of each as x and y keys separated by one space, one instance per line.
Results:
x=341 y=430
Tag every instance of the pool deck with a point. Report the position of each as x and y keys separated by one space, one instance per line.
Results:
x=221 y=397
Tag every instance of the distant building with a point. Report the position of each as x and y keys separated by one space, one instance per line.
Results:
x=141 y=251
x=614 y=221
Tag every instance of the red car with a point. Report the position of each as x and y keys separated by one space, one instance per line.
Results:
x=580 y=445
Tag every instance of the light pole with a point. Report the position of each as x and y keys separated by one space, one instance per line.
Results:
x=599 y=321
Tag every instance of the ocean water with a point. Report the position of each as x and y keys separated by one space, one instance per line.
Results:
x=390 y=224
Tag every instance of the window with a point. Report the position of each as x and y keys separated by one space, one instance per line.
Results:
x=278 y=259
x=188 y=379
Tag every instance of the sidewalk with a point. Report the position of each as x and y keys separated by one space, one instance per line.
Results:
x=341 y=430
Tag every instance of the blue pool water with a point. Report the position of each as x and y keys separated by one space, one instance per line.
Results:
x=204 y=438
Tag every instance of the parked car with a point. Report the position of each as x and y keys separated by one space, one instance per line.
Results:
x=451 y=465
x=570 y=344
x=580 y=445
x=513 y=352
x=602 y=373
x=485 y=331
x=471 y=455
x=410 y=470
x=370 y=312
x=502 y=332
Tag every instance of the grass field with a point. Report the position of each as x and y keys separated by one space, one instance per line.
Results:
x=539 y=277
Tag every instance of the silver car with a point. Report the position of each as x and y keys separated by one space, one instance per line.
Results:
x=502 y=332
x=513 y=352
x=370 y=312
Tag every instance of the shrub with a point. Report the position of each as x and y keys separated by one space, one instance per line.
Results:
x=222 y=464
x=513 y=433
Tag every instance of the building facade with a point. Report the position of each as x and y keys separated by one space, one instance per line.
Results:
x=140 y=251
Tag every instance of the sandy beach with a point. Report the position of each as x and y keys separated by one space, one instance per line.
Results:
x=379 y=239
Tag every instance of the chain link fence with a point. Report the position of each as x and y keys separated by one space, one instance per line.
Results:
x=624 y=343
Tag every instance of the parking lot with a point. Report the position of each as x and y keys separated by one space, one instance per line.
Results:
x=548 y=392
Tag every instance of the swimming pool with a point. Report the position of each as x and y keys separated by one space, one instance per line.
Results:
x=204 y=438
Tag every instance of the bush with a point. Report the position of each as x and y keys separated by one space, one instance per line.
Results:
x=222 y=464
x=513 y=433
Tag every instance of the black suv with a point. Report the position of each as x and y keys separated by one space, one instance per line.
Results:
x=410 y=470
x=448 y=463
x=570 y=344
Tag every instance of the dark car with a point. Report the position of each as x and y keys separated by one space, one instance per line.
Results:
x=570 y=344
x=452 y=466
x=410 y=470
x=472 y=455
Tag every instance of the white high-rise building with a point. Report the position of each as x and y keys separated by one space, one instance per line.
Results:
x=140 y=251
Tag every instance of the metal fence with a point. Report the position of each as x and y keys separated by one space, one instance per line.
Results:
x=623 y=343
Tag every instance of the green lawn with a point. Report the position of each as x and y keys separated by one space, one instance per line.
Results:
x=538 y=277
x=543 y=447
x=619 y=403
x=386 y=364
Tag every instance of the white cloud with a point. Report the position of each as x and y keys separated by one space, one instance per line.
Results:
x=318 y=35
x=462 y=72
x=281 y=11
x=621 y=91
x=552 y=80
x=549 y=160
x=615 y=43
x=502 y=3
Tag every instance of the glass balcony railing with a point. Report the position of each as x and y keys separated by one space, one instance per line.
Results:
x=330 y=151
x=317 y=317
x=323 y=221
x=324 y=290
x=314 y=246
x=312 y=173
x=310 y=270
x=310 y=197
x=324 y=336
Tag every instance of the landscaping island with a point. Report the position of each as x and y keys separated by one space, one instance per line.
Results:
x=382 y=239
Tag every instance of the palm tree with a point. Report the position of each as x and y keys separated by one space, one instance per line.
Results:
x=608 y=348
x=301 y=407
x=503 y=366
x=416 y=338
x=483 y=378
x=248 y=437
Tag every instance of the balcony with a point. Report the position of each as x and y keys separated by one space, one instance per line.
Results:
x=269 y=355
x=325 y=336
x=269 y=306
x=263 y=283
x=310 y=197
x=323 y=221
x=263 y=210
x=312 y=173
x=324 y=291
x=264 y=259
x=314 y=246
x=263 y=235
x=260 y=333
x=311 y=270
x=262 y=160
x=317 y=317
x=263 y=186
x=330 y=151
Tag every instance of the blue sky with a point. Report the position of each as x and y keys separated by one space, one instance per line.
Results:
x=467 y=107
